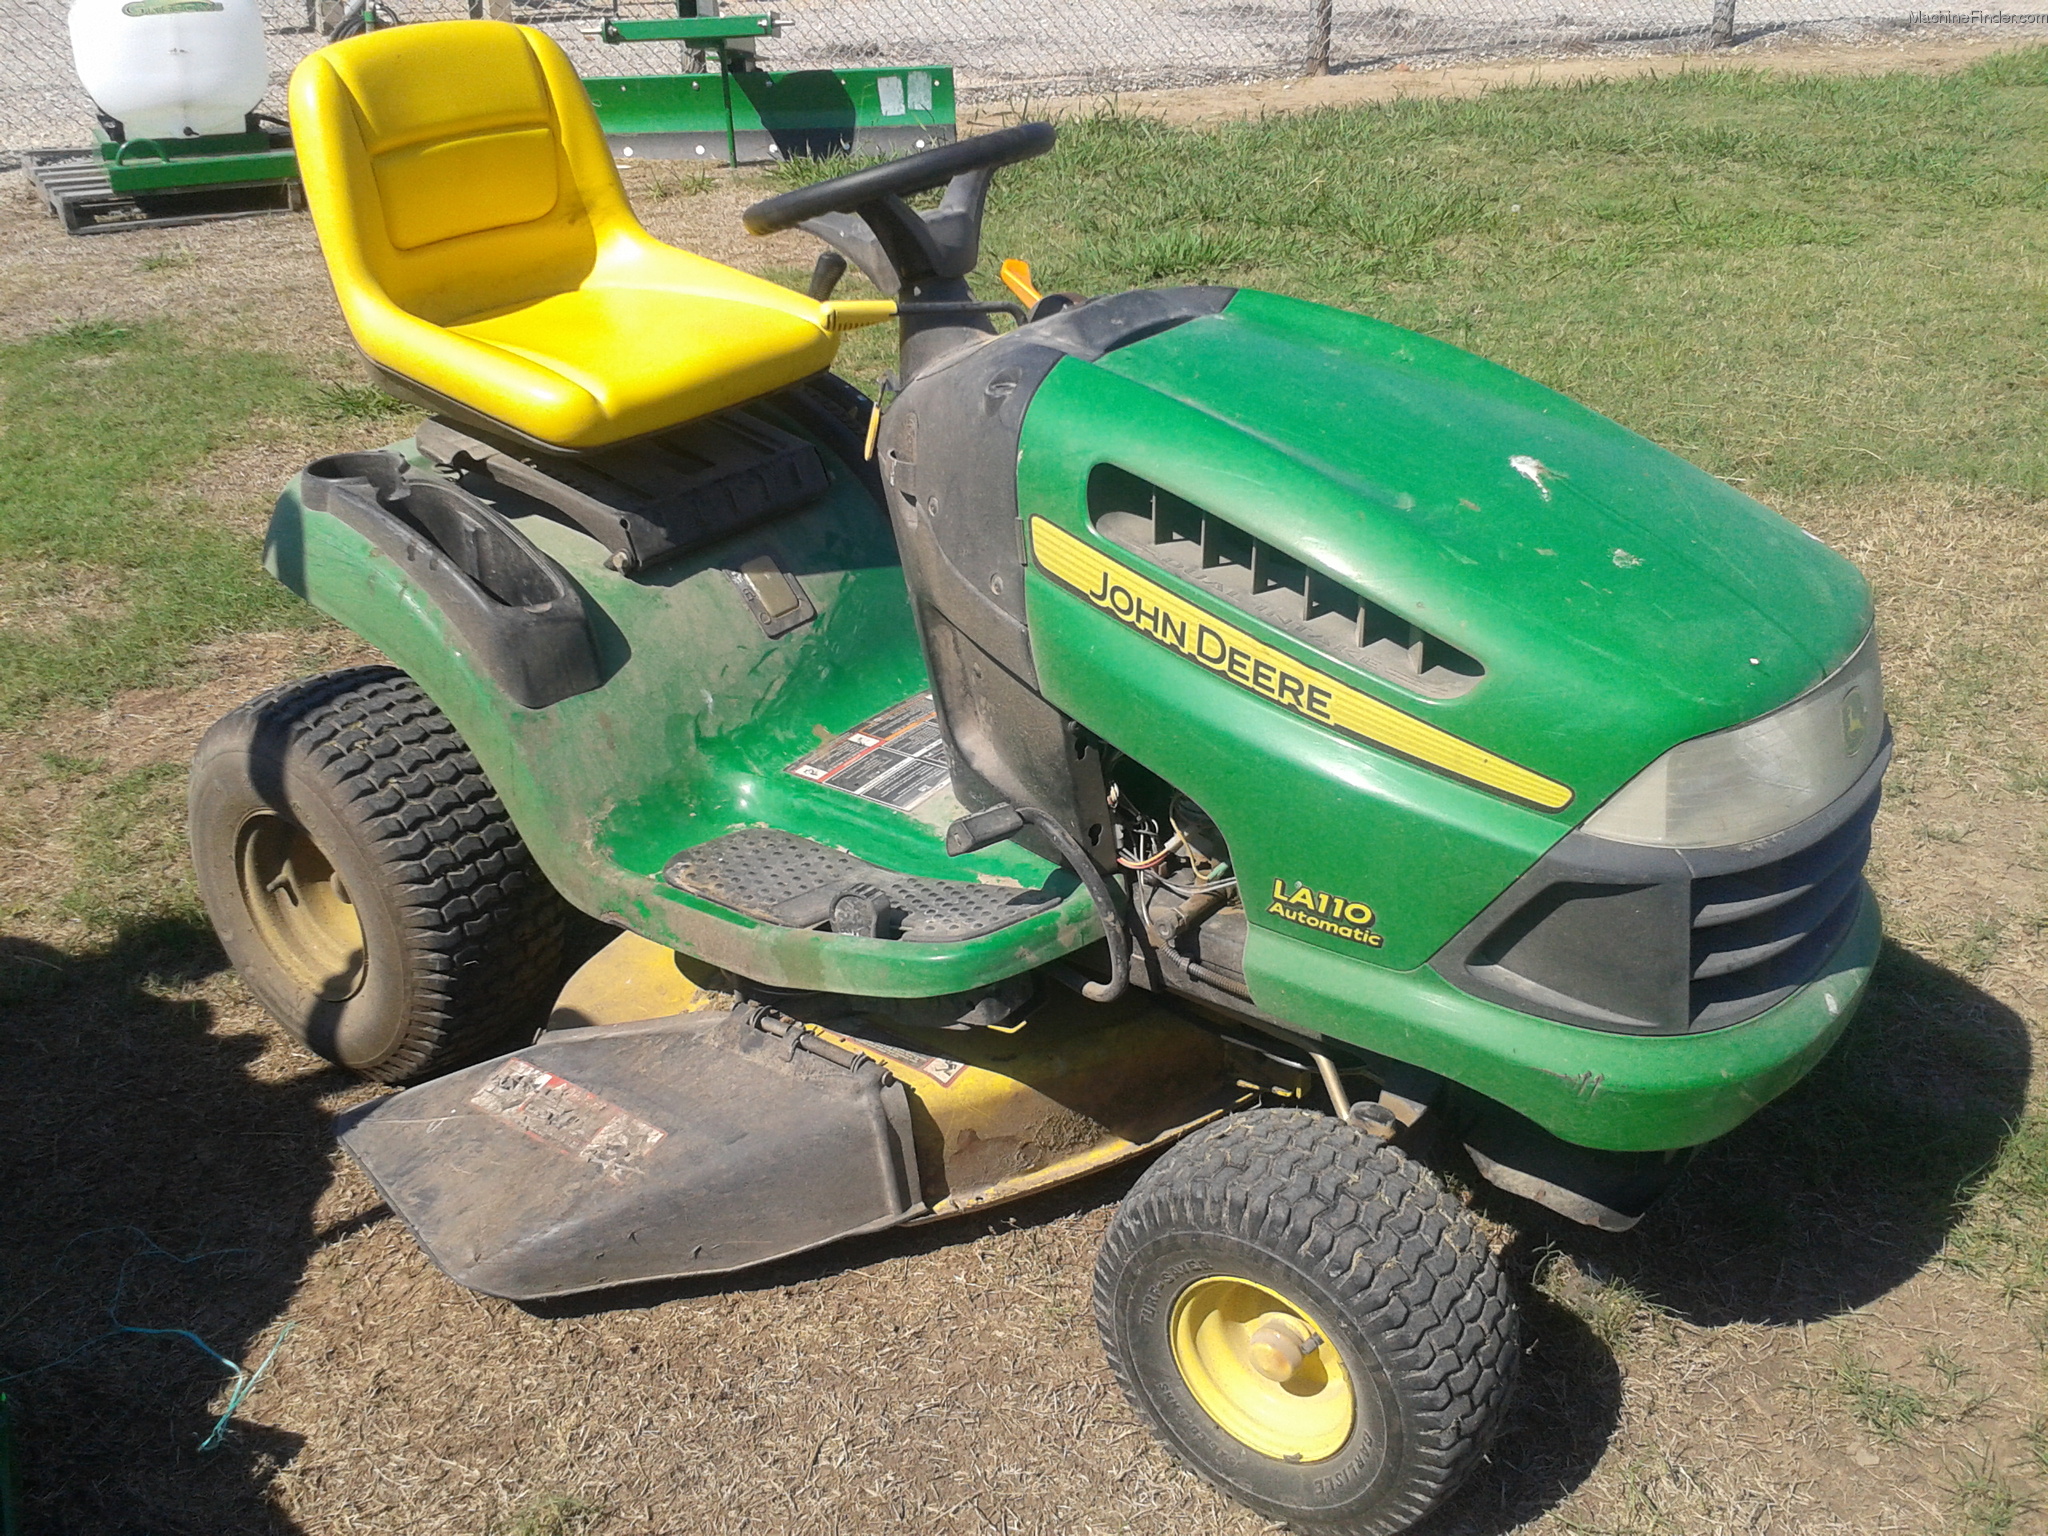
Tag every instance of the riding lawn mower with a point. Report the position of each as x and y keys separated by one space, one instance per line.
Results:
x=1188 y=724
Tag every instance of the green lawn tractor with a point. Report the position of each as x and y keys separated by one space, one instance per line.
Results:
x=1188 y=722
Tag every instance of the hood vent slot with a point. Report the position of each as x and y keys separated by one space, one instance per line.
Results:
x=1271 y=585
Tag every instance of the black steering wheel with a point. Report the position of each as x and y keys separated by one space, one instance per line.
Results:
x=922 y=172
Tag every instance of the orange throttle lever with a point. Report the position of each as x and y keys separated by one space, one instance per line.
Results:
x=1016 y=276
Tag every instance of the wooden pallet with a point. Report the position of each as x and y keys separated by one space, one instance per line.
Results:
x=75 y=189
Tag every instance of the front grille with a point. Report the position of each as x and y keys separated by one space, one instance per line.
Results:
x=1665 y=941
x=1759 y=934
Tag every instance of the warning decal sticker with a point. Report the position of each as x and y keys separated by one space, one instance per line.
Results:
x=898 y=758
x=570 y=1119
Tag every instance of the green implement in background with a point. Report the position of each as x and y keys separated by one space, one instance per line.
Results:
x=745 y=115
x=209 y=160
x=709 y=31
x=115 y=184
x=774 y=114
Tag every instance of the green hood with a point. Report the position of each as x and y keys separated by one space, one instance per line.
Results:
x=1620 y=599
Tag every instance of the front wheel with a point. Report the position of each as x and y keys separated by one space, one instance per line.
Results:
x=1308 y=1321
x=366 y=882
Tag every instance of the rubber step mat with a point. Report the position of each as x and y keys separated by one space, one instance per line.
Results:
x=778 y=877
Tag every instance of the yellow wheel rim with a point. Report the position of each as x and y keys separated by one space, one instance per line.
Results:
x=300 y=907
x=1262 y=1368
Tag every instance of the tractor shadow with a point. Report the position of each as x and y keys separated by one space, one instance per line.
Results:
x=1830 y=1198
x=1093 y=1192
x=1846 y=1187
x=155 y=1183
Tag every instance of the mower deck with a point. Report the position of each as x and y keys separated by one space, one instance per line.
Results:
x=711 y=1138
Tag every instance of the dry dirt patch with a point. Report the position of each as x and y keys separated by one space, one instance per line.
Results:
x=39 y=598
x=1194 y=105
x=260 y=282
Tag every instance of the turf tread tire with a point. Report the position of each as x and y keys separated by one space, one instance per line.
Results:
x=1383 y=1242
x=479 y=928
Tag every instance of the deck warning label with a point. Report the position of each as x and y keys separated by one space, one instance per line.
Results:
x=560 y=1114
x=897 y=759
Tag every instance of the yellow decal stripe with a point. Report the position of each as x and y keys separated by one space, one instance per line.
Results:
x=1199 y=635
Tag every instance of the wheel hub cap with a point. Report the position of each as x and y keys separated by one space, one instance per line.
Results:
x=300 y=907
x=1262 y=1368
x=1277 y=1349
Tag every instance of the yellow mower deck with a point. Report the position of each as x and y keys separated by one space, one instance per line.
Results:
x=998 y=1113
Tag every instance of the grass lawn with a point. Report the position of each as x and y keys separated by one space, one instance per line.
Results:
x=1803 y=285
x=110 y=576
x=1832 y=291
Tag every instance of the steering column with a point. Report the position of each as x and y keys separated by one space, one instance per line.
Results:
x=920 y=259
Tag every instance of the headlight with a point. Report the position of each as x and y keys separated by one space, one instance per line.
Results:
x=1752 y=780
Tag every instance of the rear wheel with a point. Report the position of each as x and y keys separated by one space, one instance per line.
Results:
x=365 y=881
x=1308 y=1321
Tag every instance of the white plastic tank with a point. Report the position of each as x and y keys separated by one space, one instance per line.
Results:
x=171 y=68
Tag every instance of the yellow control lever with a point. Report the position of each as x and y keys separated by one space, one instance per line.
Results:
x=852 y=314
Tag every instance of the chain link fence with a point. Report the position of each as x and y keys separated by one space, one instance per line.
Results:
x=1000 y=49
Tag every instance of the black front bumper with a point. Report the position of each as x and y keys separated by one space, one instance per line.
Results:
x=1671 y=941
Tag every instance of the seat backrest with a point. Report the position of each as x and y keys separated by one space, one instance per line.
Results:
x=452 y=168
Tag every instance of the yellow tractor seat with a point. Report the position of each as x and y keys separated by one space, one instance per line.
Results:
x=486 y=257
